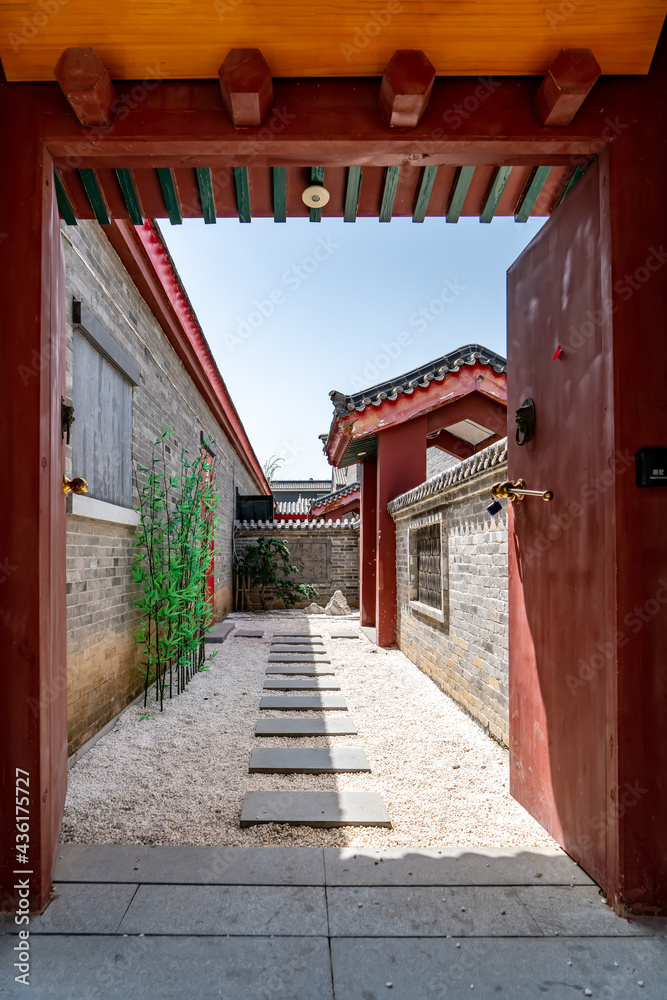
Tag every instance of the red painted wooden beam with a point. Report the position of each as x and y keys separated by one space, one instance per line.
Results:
x=406 y=88
x=145 y=257
x=452 y=445
x=247 y=87
x=87 y=86
x=488 y=412
x=567 y=84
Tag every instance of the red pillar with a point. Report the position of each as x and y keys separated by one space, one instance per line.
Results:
x=33 y=733
x=401 y=465
x=367 y=536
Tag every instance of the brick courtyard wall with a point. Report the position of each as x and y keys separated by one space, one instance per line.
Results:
x=325 y=552
x=466 y=652
x=102 y=658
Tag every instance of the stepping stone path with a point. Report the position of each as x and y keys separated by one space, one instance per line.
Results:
x=248 y=635
x=304 y=654
x=305 y=727
x=301 y=684
x=279 y=703
x=326 y=809
x=219 y=632
x=298 y=761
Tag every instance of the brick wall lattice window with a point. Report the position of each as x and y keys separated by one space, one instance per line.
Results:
x=428 y=569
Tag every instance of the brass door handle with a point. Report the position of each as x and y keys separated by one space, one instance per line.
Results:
x=516 y=491
x=76 y=485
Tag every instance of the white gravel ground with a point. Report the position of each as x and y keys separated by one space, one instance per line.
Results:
x=180 y=776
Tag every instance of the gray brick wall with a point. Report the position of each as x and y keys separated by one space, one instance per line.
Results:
x=466 y=655
x=102 y=658
x=333 y=563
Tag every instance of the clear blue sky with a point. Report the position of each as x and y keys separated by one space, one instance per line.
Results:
x=293 y=310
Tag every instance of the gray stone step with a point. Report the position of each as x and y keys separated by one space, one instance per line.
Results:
x=303 y=703
x=297 y=658
x=344 y=635
x=297 y=650
x=306 y=727
x=297 y=635
x=305 y=669
x=323 y=809
x=294 y=641
x=248 y=635
x=219 y=632
x=301 y=684
x=276 y=760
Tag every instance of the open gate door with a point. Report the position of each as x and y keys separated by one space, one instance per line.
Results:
x=559 y=355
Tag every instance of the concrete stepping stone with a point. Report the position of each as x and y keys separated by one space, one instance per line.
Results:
x=299 y=650
x=301 y=684
x=321 y=809
x=344 y=635
x=248 y=635
x=276 y=760
x=219 y=632
x=297 y=658
x=298 y=635
x=304 y=669
x=303 y=703
x=295 y=641
x=305 y=727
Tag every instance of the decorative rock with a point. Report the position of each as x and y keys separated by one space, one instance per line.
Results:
x=315 y=609
x=338 y=605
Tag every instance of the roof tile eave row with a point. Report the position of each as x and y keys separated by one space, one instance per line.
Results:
x=436 y=370
x=489 y=457
x=307 y=524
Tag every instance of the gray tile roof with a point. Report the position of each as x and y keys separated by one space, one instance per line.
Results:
x=300 y=506
x=336 y=495
x=495 y=454
x=305 y=525
x=300 y=484
x=436 y=370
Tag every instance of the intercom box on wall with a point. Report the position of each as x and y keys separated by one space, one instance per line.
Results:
x=651 y=466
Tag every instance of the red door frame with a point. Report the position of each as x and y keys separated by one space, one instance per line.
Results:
x=335 y=123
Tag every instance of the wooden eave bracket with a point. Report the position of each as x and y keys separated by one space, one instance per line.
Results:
x=86 y=84
x=567 y=84
x=247 y=87
x=406 y=88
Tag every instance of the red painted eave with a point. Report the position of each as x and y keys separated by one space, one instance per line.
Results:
x=149 y=264
x=341 y=502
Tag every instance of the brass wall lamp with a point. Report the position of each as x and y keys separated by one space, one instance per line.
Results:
x=516 y=491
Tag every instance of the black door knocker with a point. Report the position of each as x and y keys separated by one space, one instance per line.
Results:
x=525 y=422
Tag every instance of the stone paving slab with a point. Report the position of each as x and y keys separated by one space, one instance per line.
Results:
x=219 y=632
x=303 y=703
x=286 y=640
x=452 y=866
x=577 y=911
x=344 y=635
x=301 y=650
x=297 y=658
x=248 y=635
x=276 y=760
x=514 y=968
x=427 y=911
x=297 y=635
x=79 y=908
x=172 y=968
x=320 y=809
x=305 y=727
x=227 y=909
x=311 y=670
x=302 y=684
x=191 y=865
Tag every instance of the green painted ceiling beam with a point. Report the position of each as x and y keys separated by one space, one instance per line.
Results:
x=498 y=183
x=574 y=179
x=389 y=194
x=243 y=193
x=461 y=185
x=130 y=195
x=168 y=186
x=205 y=182
x=316 y=177
x=423 y=198
x=280 y=194
x=531 y=194
x=352 y=194
x=95 y=195
x=64 y=204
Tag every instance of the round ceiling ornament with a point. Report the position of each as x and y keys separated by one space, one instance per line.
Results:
x=315 y=196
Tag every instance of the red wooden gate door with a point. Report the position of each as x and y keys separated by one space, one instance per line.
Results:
x=561 y=660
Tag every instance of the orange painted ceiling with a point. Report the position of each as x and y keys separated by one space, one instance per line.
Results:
x=188 y=39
